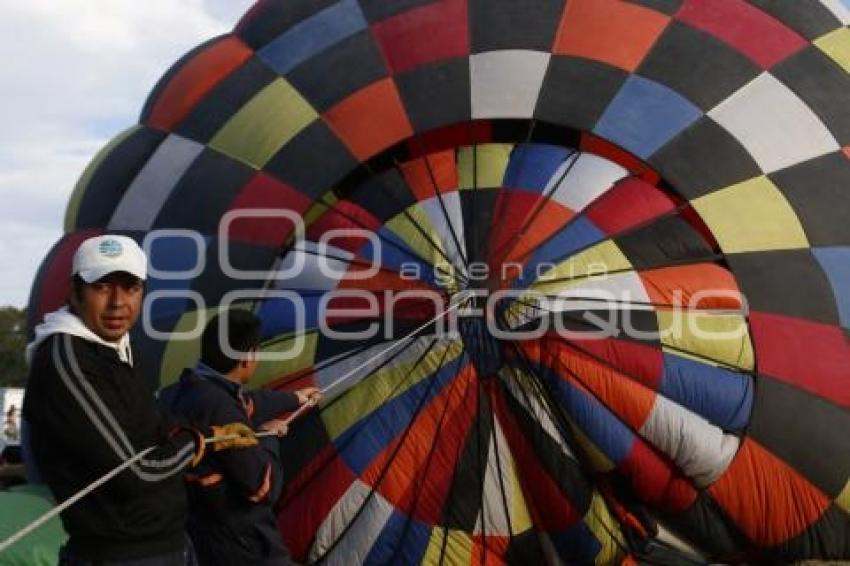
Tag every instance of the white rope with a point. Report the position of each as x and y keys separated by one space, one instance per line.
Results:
x=73 y=499
x=458 y=303
x=126 y=464
x=6 y=544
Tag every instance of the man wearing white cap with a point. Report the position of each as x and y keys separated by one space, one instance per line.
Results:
x=89 y=408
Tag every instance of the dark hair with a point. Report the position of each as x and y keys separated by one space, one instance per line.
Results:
x=77 y=284
x=243 y=335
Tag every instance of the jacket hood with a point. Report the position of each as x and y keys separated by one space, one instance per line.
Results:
x=63 y=321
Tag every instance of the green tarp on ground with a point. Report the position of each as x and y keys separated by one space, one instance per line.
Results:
x=19 y=506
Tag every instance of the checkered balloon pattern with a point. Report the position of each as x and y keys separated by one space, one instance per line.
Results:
x=661 y=184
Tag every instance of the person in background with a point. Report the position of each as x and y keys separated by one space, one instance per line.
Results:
x=10 y=429
x=89 y=408
x=231 y=493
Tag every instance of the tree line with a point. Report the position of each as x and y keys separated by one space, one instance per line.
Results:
x=13 y=340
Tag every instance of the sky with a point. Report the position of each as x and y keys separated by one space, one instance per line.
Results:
x=74 y=74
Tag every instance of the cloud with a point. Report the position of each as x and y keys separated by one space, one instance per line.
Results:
x=76 y=73
x=228 y=11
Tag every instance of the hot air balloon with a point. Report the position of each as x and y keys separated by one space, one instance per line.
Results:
x=636 y=212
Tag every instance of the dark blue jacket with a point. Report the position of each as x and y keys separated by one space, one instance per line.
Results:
x=231 y=492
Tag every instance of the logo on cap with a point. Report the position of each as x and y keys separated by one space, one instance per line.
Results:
x=111 y=248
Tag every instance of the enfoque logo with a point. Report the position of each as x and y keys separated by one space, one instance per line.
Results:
x=510 y=301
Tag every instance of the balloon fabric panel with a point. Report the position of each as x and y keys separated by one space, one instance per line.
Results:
x=658 y=186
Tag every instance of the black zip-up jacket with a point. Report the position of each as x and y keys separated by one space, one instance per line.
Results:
x=88 y=412
x=231 y=492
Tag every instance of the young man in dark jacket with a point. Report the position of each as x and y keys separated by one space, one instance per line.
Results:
x=89 y=408
x=231 y=493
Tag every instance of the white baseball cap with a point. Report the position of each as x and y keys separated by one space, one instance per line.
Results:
x=98 y=257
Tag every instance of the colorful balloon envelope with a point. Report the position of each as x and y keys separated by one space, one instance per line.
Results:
x=573 y=275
